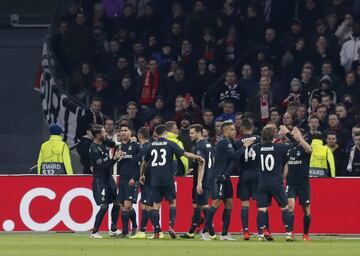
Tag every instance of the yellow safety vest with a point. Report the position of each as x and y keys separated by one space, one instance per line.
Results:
x=321 y=160
x=185 y=162
x=54 y=157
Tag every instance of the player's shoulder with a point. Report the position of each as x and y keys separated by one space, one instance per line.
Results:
x=93 y=147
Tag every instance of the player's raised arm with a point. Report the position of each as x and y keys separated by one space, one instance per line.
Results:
x=298 y=136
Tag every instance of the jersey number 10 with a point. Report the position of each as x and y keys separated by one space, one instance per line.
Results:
x=267 y=162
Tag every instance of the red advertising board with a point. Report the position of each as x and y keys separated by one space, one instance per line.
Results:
x=65 y=203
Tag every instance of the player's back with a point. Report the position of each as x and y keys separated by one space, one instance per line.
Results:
x=160 y=160
x=248 y=162
x=204 y=149
x=223 y=150
x=271 y=160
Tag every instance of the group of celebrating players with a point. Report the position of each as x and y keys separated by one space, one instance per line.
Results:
x=149 y=164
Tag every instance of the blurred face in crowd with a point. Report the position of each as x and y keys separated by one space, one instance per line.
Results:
x=333 y=121
x=301 y=112
x=314 y=124
x=208 y=117
x=63 y=27
x=132 y=110
x=159 y=104
x=85 y=68
x=357 y=141
x=321 y=42
x=264 y=85
x=114 y=46
x=186 y=45
x=205 y=134
x=270 y=35
x=326 y=100
x=176 y=29
x=315 y=103
x=141 y=63
x=80 y=19
x=238 y=119
x=228 y=108
x=109 y=126
x=350 y=78
x=199 y=6
x=230 y=78
x=138 y=48
x=354 y=130
x=185 y=123
x=266 y=72
x=275 y=117
x=306 y=75
x=246 y=71
x=148 y=10
x=179 y=102
x=125 y=133
x=348 y=19
x=321 y=29
x=176 y=9
x=331 y=19
x=331 y=140
x=122 y=63
x=202 y=65
x=126 y=83
x=251 y=12
x=341 y=111
x=287 y=119
x=166 y=49
x=152 y=65
x=218 y=128
x=321 y=113
x=95 y=106
x=179 y=75
x=300 y=44
x=292 y=110
x=174 y=65
x=326 y=69
x=152 y=41
x=128 y=10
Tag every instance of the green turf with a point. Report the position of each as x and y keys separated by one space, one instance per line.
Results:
x=81 y=244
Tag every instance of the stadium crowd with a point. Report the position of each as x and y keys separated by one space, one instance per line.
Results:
x=144 y=62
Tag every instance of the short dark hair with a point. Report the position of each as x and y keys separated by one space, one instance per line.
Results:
x=318 y=136
x=246 y=125
x=197 y=128
x=208 y=110
x=169 y=125
x=226 y=124
x=267 y=134
x=268 y=65
x=274 y=110
x=331 y=133
x=160 y=129
x=96 y=129
x=122 y=125
x=131 y=103
x=357 y=134
x=144 y=132
x=98 y=99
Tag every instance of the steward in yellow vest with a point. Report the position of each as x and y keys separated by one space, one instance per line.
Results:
x=322 y=163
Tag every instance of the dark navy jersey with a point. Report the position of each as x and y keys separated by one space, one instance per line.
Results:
x=204 y=149
x=248 y=162
x=143 y=149
x=298 y=162
x=225 y=157
x=100 y=161
x=159 y=158
x=271 y=159
x=128 y=167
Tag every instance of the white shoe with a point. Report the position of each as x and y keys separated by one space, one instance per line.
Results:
x=205 y=236
x=227 y=238
x=95 y=235
x=115 y=233
x=261 y=237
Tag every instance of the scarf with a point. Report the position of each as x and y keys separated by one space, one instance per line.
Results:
x=264 y=109
x=149 y=88
x=351 y=159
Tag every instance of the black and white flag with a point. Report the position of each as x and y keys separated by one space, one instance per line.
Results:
x=57 y=106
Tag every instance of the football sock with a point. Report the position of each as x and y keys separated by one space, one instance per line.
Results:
x=125 y=221
x=226 y=216
x=267 y=220
x=99 y=217
x=172 y=216
x=144 y=220
x=286 y=218
x=155 y=220
x=132 y=216
x=205 y=210
x=114 y=216
x=195 y=219
x=209 y=219
x=261 y=221
x=245 y=217
x=307 y=221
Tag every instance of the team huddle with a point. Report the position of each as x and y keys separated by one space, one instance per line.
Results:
x=149 y=165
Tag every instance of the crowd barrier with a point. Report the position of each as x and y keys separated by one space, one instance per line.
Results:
x=65 y=204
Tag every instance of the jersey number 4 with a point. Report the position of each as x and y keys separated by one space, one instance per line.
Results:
x=249 y=153
x=267 y=162
x=155 y=155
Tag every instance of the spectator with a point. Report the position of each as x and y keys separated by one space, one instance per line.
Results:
x=296 y=95
x=307 y=81
x=348 y=53
x=81 y=81
x=150 y=84
x=177 y=85
x=140 y=66
x=109 y=127
x=314 y=125
x=108 y=60
x=252 y=26
x=351 y=87
x=190 y=110
x=132 y=113
x=328 y=103
x=247 y=81
x=122 y=69
x=344 y=31
x=208 y=121
x=228 y=112
x=271 y=46
x=148 y=22
x=346 y=121
x=353 y=158
x=322 y=162
x=321 y=113
x=339 y=154
x=351 y=143
x=159 y=109
x=325 y=88
x=202 y=80
x=54 y=155
x=218 y=132
x=328 y=69
x=277 y=88
x=92 y=115
x=275 y=116
x=301 y=117
x=187 y=55
x=124 y=92
x=288 y=120
x=334 y=126
x=231 y=91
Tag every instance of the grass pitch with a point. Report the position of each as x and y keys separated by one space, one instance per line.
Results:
x=81 y=244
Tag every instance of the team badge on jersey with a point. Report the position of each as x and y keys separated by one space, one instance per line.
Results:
x=298 y=153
